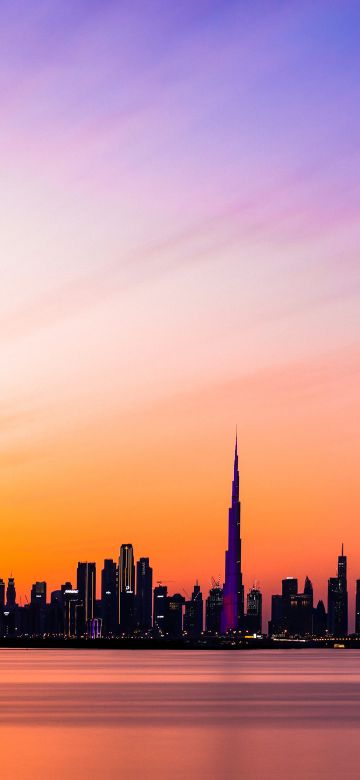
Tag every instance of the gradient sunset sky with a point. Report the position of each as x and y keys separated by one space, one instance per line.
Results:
x=180 y=188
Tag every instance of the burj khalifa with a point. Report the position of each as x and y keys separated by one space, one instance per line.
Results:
x=233 y=594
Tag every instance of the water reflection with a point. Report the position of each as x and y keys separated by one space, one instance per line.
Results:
x=282 y=714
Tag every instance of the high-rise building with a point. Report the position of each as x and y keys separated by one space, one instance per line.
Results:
x=174 y=615
x=300 y=612
x=233 y=592
x=109 y=598
x=319 y=619
x=126 y=589
x=254 y=611
x=214 y=603
x=38 y=608
x=55 y=618
x=11 y=594
x=289 y=590
x=357 y=608
x=73 y=610
x=193 y=617
x=277 y=622
x=144 y=575
x=160 y=608
x=2 y=593
x=38 y=593
x=289 y=587
x=86 y=585
x=338 y=600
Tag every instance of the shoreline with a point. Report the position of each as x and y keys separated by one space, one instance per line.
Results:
x=351 y=642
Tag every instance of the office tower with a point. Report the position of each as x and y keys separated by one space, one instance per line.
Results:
x=126 y=589
x=289 y=589
x=233 y=593
x=86 y=585
x=300 y=612
x=55 y=613
x=2 y=593
x=38 y=608
x=319 y=619
x=109 y=598
x=338 y=600
x=174 y=616
x=144 y=576
x=193 y=618
x=277 y=622
x=160 y=608
x=254 y=611
x=214 y=603
x=11 y=594
x=38 y=593
x=357 y=608
x=71 y=613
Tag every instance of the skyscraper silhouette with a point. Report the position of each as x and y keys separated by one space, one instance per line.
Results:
x=338 y=599
x=108 y=597
x=126 y=588
x=11 y=594
x=160 y=608
x=86 y=585
x=357 y=608
x=254 y=610
x=144 y=594
x=193 y=618
x=214 y=603
x=233 y=593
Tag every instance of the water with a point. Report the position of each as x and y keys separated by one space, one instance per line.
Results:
x=168 y=714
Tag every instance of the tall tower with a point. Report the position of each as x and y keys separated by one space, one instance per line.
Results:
x=338 y=600
x=144 y=594
x=126 y=588
x=233 y=593
x=86 y=585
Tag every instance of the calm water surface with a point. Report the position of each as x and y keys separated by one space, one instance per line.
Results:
x=159 y=714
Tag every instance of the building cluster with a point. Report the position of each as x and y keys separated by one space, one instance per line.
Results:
x=129 y=605
x=293 y=614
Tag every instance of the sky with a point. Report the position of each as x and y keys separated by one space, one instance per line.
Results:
x=179 y=253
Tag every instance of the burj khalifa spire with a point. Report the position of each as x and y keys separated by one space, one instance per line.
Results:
x=233 y=594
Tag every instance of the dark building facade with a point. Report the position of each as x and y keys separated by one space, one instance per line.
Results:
x=11 y=594
x=174 y=615
x=300 y=614
x=292 y=612
x=126 y=589
x=214 y=603
x=319 y=619
x=253 y=620
x=357 y=608
x=338 y=600
x=160 y=609
x=86 y=586
x=73 y=613
x=37 y=616
x=109 y=598
x=144 y=578
x=194 y=613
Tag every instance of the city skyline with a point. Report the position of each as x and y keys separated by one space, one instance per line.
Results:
x=179 y=236
x=126 y=598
